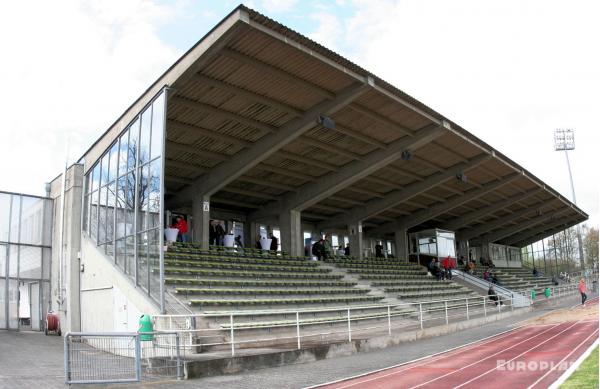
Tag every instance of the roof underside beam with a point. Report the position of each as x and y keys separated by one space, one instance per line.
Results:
x=482 y=212
x=396 y=197
x=441 y=208
x=509 y=231
x=228 y=171
x=543 y=231
x=485 y=228
x=327 y=185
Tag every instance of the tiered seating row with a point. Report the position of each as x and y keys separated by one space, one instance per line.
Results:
x=294 y=301
x=259 y=283
x=249 y=274
x=243 y=266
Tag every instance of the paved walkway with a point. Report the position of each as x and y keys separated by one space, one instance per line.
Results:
x=32 y=360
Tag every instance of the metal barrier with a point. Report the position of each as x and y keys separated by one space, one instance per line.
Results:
x=115 y=357
x=292 y=328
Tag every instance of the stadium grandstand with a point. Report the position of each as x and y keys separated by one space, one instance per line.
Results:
x=264 y=142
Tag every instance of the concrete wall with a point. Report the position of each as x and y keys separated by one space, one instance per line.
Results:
x=66 y=238
x=109 y=300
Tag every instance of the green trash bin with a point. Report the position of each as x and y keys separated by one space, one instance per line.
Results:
x=145 y=327
x=533 y=294
x=547 y=292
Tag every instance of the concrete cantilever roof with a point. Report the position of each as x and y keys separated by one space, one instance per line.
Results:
x=242 y=128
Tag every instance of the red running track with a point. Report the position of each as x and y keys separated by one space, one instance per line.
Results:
x=528 y=357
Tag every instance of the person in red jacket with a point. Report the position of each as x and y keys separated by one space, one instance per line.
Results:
x=448 y=263
x=582 y=291
x=183 y=228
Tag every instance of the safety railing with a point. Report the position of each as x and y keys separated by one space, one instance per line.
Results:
x=236 y=330
x=118 y=357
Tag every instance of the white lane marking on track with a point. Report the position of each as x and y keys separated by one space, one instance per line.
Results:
x=562 y=360
x=436 y=356
x=484 y=359
x=510 y=360
x=430 y=361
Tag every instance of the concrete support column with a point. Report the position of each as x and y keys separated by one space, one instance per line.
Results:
x=253 y=235
x=65 y=271
x=355 y=233
x=201 y=213
x=401 y=240
x=462 y=248
x=291 y=232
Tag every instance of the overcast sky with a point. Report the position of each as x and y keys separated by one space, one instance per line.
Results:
x=510 y=72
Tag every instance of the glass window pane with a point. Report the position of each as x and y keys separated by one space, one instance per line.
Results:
x=94 y=216
x=14 y=219
x=158 y=110
x=154 y=193
x=86 y=212
x=110 y=218
x=120 y=253
x=46 y=258
x=143 y=192
x=121 y=208
x=123 y=152
x=145 y=136
x=3 y=259
x=13 y=260
x=32 y=214
x=153 y=264
x=134 y=135
x=96 y=176
x=129 y=257
x=4 y=216
x=104 y=171
x=102 y=216
x=113 y=162
x=130 y=198
x=142 y=246
x=30 y=262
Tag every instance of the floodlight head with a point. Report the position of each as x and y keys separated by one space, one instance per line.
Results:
x=326 y=122
x=564 y=139
x=462 y=177
x=407 y=155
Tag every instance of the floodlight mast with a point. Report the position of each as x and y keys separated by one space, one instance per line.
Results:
x=564 y=139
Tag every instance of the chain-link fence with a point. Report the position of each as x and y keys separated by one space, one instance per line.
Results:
x=121 y=357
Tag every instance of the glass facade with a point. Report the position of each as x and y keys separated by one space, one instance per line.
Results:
x=25 y=259
x=123 y=199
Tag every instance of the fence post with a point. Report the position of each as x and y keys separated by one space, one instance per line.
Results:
x=446 y=309
x=231 y=335
x=349 y=327
x=421 y=314
x=389 y=321
x=298 y=328
x=484 y=310
x=467 y=300
x=177 y=344
x=138 y=357
x=67 y=360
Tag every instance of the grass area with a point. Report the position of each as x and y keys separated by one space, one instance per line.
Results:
x=586 y=376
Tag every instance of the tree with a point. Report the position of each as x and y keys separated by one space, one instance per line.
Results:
x=590 y=246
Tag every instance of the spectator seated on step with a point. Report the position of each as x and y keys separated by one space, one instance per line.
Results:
x=471 y=267
x=486 y=274
x=494 y=296
x=535 y=272
x=494 y=278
